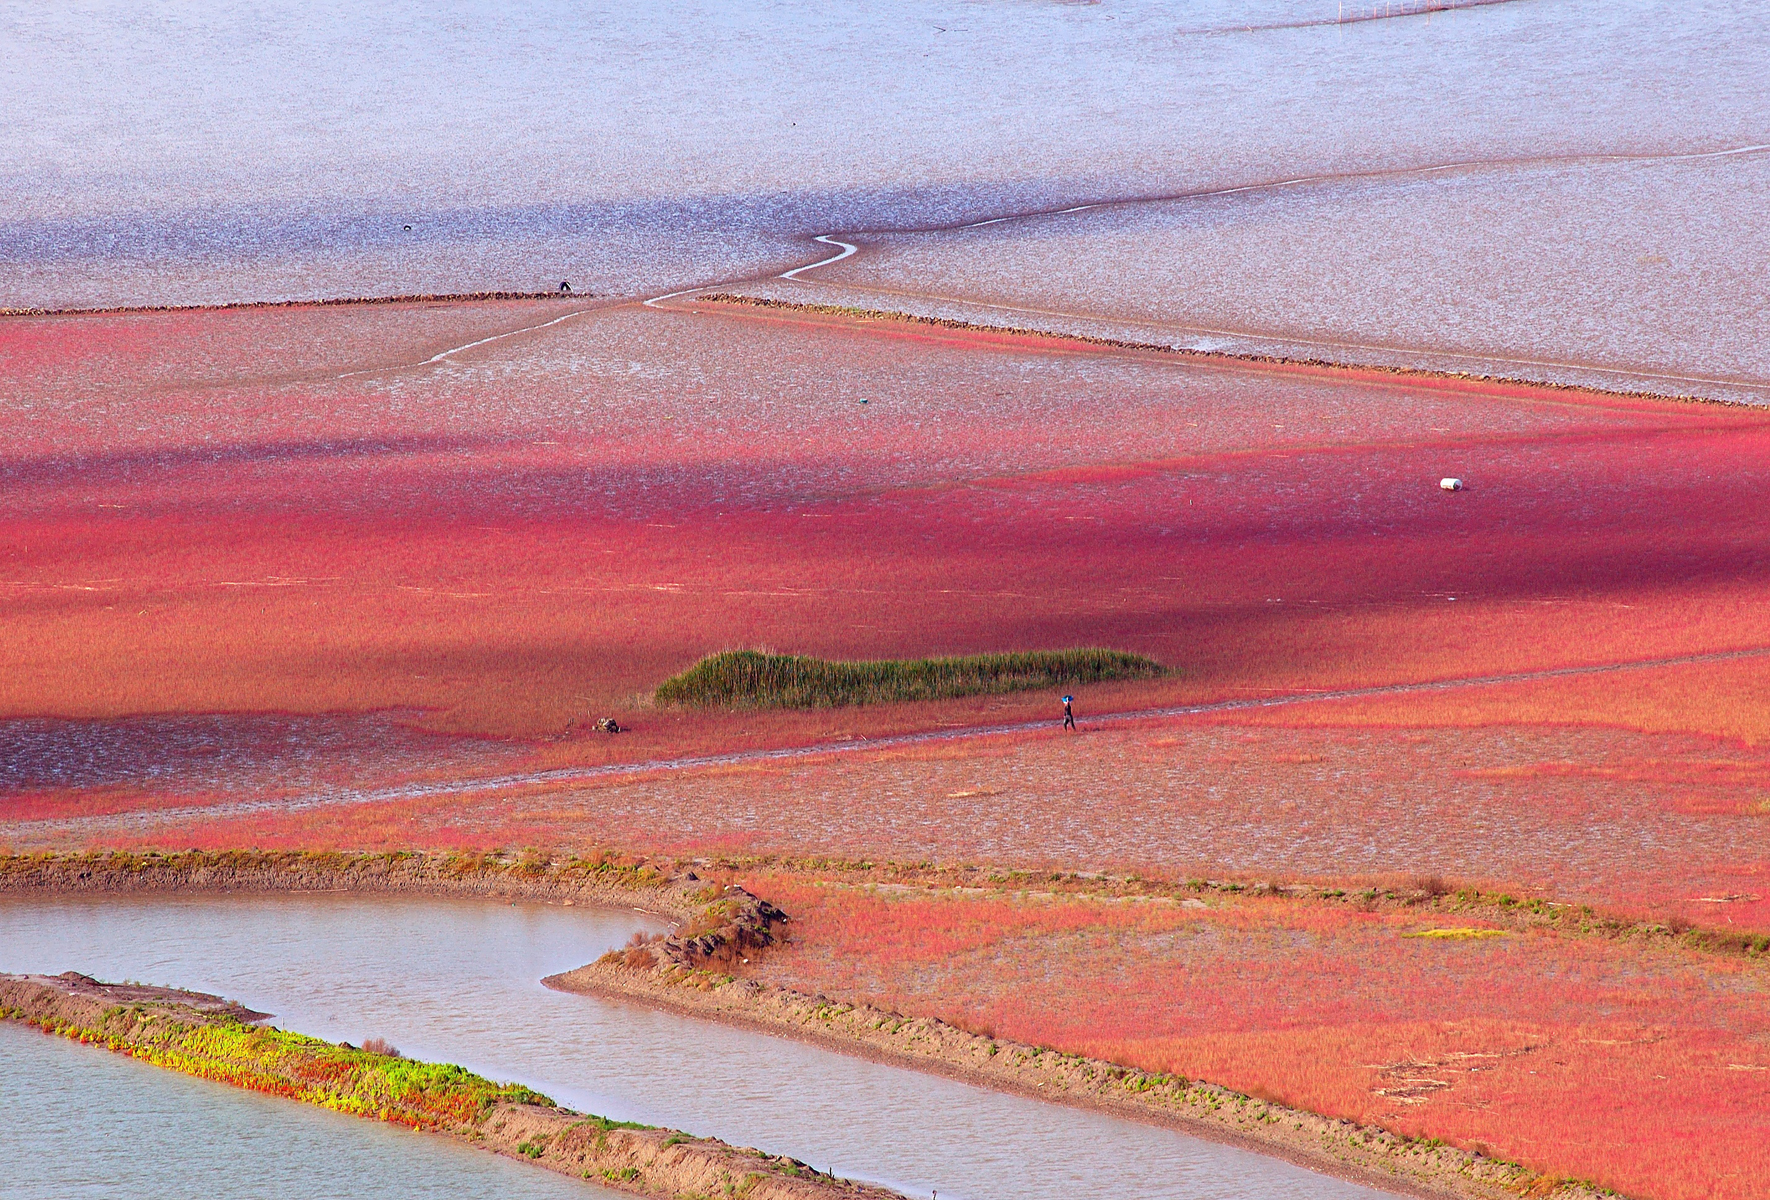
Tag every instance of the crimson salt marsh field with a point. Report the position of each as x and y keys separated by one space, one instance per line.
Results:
x=541 y=529
x=1549 y=1047
x=443 y=572
x=437 y=575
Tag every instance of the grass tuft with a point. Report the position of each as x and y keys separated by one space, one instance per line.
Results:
x=751 y=679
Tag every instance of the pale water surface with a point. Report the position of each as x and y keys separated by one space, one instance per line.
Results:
x=1635 y=273
x=459 y=981
x=85 y=1124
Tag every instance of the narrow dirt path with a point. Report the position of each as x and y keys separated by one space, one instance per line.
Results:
x=566 y=776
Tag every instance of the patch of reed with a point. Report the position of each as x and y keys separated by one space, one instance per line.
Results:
x=751 y=679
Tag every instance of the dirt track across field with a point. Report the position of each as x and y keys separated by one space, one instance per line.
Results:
x=572 y=775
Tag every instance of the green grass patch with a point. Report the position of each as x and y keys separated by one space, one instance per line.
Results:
x=750 y=679
x=604 y=1124
x=283 y=1063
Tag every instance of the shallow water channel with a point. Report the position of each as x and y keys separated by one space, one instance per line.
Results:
x=459 y=980
x=85 y=1124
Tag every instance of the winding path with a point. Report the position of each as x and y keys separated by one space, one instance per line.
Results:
x=571 y=775
x=846 y=249
x=1561 y=370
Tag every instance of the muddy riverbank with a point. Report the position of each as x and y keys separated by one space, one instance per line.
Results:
x=683 y=972
x=458 y=980
x=613 y=880
x=206 y=1036
x=1360 y=1153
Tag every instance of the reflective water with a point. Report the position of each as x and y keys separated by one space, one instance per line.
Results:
x=85 y=1124
x=458 y=980
x=172 y=152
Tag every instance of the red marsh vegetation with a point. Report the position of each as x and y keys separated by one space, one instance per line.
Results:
x=542 y=528
x=240 y=513
x=1551 y=1048
x=1649 y=826
x=213 y=517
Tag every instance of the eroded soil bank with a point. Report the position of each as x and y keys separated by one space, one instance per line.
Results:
x=206 y=1036
x=1362 y=1153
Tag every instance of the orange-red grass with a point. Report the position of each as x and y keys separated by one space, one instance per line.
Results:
x=511 y=556
x=1646 y=826
x=519 y=623
x=1550 y=1050
x=538 y=532
x=198 y=515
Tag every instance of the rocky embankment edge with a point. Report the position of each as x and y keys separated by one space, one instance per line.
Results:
x=209 y=1037
x=1361 y=1153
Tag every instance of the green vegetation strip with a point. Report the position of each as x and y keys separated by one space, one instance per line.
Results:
x=750 y=679
x=504 y=1118
x=282 y=1063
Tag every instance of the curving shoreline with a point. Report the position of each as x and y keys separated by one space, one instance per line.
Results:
x=1359 y=1153
x=202 y=1035
x=680 y=973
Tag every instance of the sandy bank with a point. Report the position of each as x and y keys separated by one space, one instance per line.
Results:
x=193 y=1032
x=1362 y=1153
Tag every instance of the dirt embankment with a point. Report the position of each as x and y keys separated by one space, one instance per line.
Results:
x=613 y=880
x=77 y=988
x=720 y=926
x=1359 y=1152
x=332 y=302
x=180 y=1030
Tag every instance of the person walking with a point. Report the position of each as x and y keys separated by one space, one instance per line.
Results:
x=1069 y=713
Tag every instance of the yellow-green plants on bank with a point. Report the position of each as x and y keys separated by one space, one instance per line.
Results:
x=207 y=1037
x=282 y=1063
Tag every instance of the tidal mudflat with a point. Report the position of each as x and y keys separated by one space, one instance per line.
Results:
x=639 y=150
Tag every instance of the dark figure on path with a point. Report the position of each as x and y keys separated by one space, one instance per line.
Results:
x=1069 y=715
x=564 y=288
